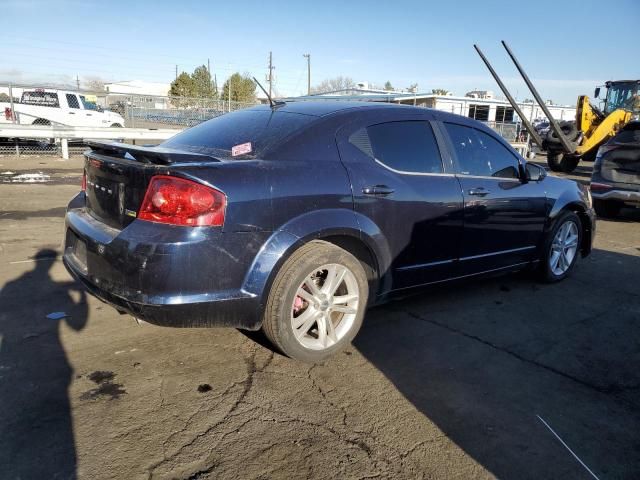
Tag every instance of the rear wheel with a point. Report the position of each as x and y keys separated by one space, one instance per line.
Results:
x=116 y=125
x=607 y=208
x=561 y=248
x=316 y=303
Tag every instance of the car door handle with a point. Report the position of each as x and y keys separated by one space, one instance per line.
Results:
x=378 y=190
x=479 y=192
x=72 y=113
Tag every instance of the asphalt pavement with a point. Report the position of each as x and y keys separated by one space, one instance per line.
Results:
x=496 y=378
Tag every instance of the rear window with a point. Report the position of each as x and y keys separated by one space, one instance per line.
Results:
x=47 y=99
x=260 y=128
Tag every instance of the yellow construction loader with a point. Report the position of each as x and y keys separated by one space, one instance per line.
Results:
x=569 y=142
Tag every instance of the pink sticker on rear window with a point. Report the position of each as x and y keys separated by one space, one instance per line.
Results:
x=241 y=149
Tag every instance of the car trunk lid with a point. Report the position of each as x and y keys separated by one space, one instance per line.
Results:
x=117 y=176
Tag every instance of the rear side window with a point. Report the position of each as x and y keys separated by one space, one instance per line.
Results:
x=479 y=154
x=405 y=147
x=259 y=128
x=72 y=101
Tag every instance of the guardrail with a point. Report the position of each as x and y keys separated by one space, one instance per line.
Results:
x=521 y=147
x=64 y=134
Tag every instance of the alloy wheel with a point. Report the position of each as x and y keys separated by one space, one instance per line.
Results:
x=564 y=248
x=325 y=306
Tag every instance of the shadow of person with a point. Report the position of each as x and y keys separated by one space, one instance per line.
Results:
x=36 y=433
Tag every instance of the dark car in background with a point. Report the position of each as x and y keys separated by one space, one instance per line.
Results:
x=296 y=218
x=615 y=181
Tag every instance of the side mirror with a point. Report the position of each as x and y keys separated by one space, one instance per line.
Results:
x=535 y=173
x=596 y=93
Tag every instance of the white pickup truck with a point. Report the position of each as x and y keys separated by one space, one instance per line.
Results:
x=57 y=107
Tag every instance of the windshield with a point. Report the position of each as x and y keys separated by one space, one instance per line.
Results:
x=250 y=131
x=623 y=95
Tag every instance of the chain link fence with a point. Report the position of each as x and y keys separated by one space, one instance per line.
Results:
x=28 y=105
x=19 y=147
x=134 y=111
x=140 y=111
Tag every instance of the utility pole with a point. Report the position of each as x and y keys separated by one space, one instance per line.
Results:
x=176 y=72
x=308 y=57
x=270 y=74
x=77 y=82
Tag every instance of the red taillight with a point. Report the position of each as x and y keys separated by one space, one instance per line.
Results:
x=599 y=187
x=8 y=114
x=84 y=180
x=178 y=201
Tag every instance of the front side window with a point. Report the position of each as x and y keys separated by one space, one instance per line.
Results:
x=405 y=147
x=87 y=104
x=479 y=154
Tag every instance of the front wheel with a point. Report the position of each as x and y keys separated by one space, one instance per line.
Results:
x=561 y=248
x=316 y=303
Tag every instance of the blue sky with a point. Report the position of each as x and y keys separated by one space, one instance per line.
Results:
x=566 y=46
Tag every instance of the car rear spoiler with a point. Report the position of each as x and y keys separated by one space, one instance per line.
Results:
x=148 y=154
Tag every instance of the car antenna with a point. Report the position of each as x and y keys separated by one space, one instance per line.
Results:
x=271 y=102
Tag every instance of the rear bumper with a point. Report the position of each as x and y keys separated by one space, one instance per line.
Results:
x=170 y=276
x=627 y=196
x=222 y=311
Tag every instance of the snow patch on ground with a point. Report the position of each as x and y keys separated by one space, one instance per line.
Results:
x=12 y=177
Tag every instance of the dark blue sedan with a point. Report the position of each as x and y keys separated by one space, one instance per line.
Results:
x=295 y=218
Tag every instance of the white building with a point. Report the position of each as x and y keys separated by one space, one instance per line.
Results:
x=138 y=87
x=479 y=104
x=139 y=93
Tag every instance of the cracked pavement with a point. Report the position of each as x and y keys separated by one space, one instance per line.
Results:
x=447 y=384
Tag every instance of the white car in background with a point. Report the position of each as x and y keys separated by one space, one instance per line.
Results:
x=57 y=107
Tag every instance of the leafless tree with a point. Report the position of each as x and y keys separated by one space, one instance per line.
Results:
x=95 y=84
x=333 y=84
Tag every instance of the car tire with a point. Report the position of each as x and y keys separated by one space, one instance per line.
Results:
x=303 y=321
x=607 y=208
x=561 y=248
x=116 y=125
x=569 y=130
x=553 y=160
x=560 y=162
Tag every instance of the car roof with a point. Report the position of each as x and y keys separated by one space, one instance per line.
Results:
x=321 y=108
